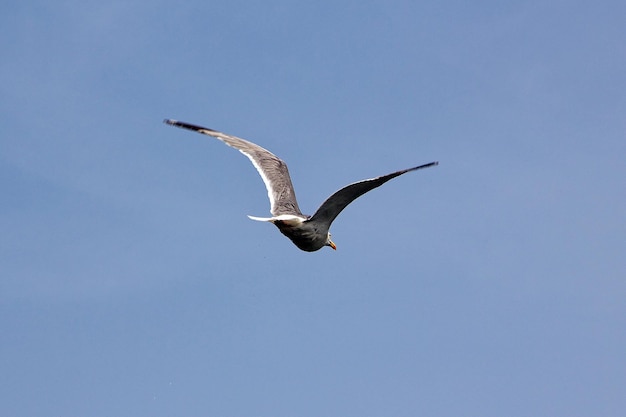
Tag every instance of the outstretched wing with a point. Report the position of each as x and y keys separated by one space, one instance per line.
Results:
x=272 y=169
x=334 y=204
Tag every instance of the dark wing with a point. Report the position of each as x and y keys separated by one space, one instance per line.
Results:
x=271 y=168
x=334 y=204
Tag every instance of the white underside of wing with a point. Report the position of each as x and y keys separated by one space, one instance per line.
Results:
x=275 y=175
x=226 y=139
x=268 y=184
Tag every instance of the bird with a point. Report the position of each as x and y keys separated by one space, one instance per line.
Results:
x=308 y=233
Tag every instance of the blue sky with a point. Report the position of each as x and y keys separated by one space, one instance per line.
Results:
x=134 y=285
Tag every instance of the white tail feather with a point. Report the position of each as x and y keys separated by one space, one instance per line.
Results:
x=261 y=219
x=288 y=219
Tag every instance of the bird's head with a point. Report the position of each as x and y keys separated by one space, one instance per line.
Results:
x=330 y=243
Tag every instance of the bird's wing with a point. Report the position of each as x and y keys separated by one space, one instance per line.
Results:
x=272 y=169
x=334 y=204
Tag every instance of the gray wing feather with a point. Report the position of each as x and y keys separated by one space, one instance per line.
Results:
x=272 y=169
x=334 y=204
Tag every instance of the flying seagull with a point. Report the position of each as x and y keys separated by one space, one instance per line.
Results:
x=308 y=233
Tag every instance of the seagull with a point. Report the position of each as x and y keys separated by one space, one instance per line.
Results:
x=309 y=233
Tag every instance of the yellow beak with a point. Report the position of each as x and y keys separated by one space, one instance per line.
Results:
x=332 y=245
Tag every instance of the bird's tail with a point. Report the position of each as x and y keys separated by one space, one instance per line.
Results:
x=261 y=219
x=286 y=219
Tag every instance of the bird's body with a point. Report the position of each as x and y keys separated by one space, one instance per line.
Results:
x=308 y=233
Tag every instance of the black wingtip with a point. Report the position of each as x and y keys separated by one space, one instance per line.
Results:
x=428 y=165
x=184 y=125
